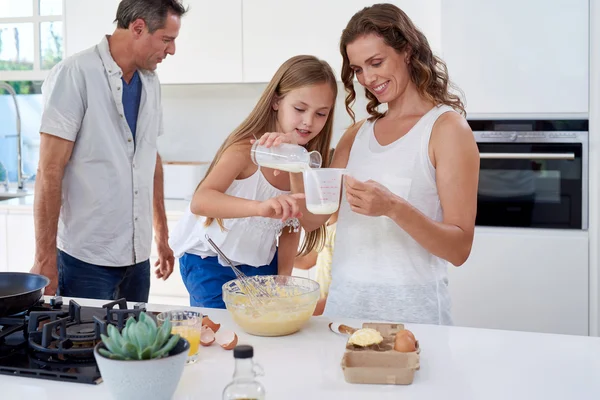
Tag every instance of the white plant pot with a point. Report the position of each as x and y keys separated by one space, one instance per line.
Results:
x=143 y=379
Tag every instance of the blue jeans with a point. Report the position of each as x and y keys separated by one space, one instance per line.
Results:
x=205 y=277
x=77 y=278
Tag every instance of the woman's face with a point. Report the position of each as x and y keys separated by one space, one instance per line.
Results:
x=378 y=67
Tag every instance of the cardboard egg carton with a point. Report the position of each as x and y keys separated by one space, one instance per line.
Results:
x=380 y=364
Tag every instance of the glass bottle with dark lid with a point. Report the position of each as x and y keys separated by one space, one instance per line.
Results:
x=244 y=385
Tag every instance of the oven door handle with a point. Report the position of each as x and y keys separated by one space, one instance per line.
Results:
x=527 y=156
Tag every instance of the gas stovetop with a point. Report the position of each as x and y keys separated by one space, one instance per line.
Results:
x=55 y=341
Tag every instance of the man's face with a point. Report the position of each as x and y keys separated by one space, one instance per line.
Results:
x=152 y=48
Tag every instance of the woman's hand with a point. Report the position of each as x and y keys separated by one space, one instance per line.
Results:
x=281 y=207
x=369 y=198
x=320 y=308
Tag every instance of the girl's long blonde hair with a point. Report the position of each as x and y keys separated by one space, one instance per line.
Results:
x=297 y=72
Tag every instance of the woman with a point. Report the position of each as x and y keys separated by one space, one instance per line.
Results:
x=412 y=173
x=411 y=189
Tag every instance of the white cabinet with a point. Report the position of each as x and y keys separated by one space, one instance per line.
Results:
x=17 y=252
x=20 y=240
x=209 y=46
x=518 y=56
x=523 y=279
x=208 y=49
x=3 y=252
x=275 y=30
x=508 y=57
x=86 y=21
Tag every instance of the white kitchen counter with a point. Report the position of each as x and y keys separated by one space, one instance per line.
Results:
x=456 y=363
x=174 y=208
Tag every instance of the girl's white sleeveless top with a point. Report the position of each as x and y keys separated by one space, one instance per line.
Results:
x=379 y=272
x=250 y=241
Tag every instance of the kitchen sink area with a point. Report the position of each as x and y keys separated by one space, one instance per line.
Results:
x=12 y=194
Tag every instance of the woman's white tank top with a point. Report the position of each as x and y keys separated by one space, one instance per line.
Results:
x=379 y=272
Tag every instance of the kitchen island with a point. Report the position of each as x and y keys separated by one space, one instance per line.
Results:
x=456 y=363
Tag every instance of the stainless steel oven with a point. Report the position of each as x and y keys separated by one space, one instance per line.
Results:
x=533 y=174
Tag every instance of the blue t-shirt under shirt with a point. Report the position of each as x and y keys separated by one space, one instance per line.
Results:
x=132 y=94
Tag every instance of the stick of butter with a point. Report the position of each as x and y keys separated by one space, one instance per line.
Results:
x=365 y=337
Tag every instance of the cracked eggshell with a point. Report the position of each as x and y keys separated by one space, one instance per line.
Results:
x=207 y=336
x=226 y=339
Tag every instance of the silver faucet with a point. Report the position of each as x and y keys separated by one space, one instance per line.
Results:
x=20 y=176
x=5 y=181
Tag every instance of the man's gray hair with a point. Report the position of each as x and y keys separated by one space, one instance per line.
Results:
x=153 y=12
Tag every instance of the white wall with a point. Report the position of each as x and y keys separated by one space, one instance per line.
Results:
x=198 y=118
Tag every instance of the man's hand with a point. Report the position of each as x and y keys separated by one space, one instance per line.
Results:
x=165 y=261
x=50 y=271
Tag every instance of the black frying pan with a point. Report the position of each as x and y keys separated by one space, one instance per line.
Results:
x=19 y=291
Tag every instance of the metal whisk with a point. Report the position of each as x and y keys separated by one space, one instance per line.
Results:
x=255 y=293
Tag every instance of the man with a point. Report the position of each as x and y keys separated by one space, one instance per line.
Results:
x=99 y=184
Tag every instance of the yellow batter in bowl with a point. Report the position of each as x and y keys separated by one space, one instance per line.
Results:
x=291 y=302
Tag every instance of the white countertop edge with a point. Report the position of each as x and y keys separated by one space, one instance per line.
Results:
x=174 y=208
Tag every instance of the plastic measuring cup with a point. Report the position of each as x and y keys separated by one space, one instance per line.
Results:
x=285 y=157
x=322 y=188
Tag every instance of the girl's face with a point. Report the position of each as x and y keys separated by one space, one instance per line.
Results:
x=378 y=67
x=304 y=111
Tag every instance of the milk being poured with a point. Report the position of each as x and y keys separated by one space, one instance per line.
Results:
x=289 y=167
x=325 y=208
x=285 y=157
x=321 y=186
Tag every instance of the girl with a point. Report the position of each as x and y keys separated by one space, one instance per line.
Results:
x=243 y=208
x=412 y=174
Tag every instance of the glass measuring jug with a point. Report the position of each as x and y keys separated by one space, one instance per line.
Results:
x=285 y=157
x=322 y=188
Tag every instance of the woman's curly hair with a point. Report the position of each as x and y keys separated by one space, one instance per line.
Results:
x=427 y=71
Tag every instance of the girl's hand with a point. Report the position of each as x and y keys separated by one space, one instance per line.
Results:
x=281 y=207
x=270 y=139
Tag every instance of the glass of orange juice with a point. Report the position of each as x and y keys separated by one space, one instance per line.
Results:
x=188 y=324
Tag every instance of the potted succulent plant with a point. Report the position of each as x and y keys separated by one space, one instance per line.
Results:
x=142 y=361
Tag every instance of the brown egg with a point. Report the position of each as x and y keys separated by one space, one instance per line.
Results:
x=407 y=332
x=404 y=343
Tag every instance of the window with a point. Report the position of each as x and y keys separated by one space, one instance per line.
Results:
x=31 y=38
x=29 y=100
x=31 y=43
